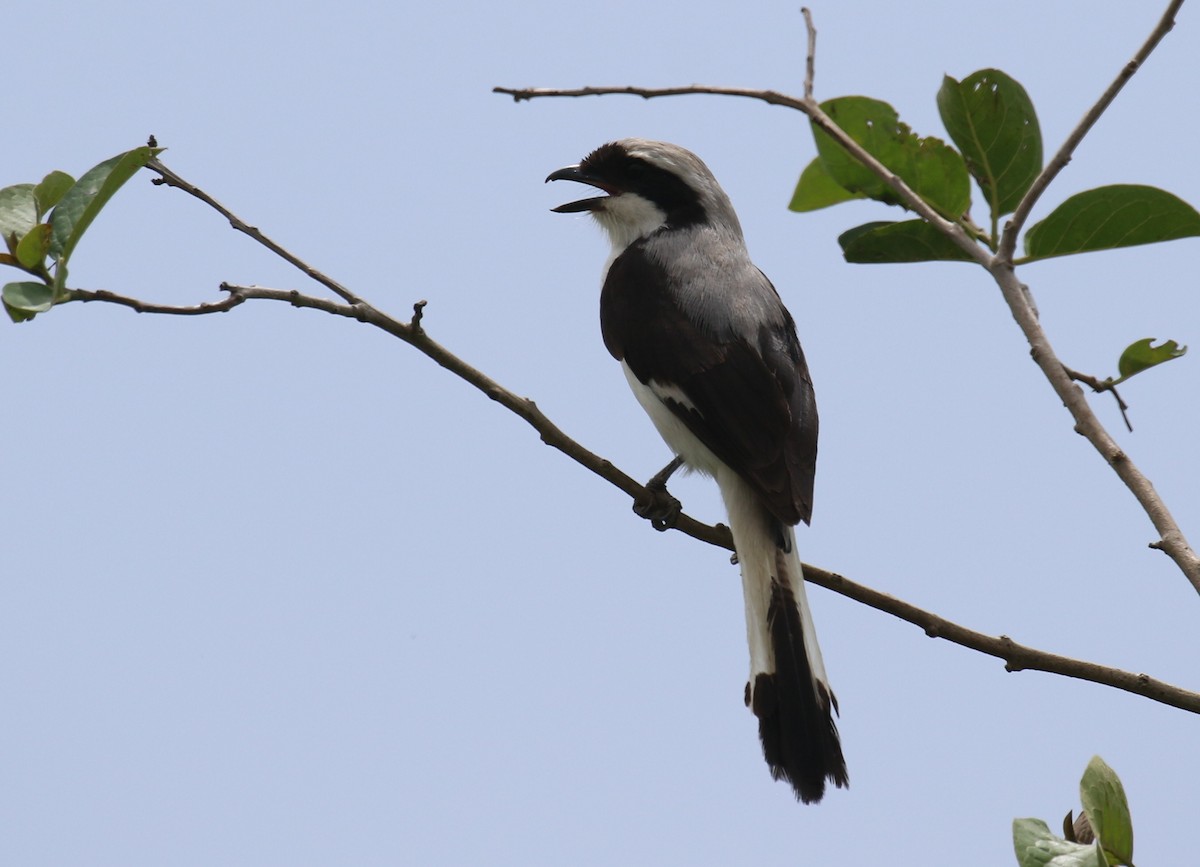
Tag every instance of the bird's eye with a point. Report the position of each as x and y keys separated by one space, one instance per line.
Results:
x=637 y=170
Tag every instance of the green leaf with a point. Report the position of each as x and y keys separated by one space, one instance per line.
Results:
x=31 y=250
x=991 y=119
x=23 y=301
x=1103 y=799
x=18 y=213
x=1037 y=847
x=907 y=241
x=50 y=190
x=1121 y=215
x=932 y=168
x=1141 y=356
x=817 y=189
x=83 y=201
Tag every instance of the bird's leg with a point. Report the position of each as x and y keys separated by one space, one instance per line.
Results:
x=656 y=504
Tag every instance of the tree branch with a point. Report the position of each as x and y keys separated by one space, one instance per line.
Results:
x=807 y=106
x=1017 y=657
x=1171 y=538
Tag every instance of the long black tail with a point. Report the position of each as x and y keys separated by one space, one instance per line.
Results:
x=793 y=705
x=788 y=689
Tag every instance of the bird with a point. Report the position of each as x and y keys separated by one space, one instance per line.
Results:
x=712 y=356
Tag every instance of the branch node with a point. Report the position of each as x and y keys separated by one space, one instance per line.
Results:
x=418 y=315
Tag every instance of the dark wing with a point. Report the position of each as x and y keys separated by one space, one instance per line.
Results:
x=752 y=397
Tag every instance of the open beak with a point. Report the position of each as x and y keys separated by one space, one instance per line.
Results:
x=573 y=173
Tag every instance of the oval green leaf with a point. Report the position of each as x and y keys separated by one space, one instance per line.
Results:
x=817 y=189
x=933 y=169
x=1104 y=801
x=906 y=241
x=84 y=200
x=25 y=300
x=992 y=120
x=1121 y=215
x=18 y=213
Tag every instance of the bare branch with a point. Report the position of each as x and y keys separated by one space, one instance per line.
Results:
x=233 y=300
x=1017 y=657
x=1016 y=222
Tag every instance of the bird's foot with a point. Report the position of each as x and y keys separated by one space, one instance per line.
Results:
x=658 y=507
x=655 y=503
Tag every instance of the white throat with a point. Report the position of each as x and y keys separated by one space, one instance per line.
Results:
x=626 y=218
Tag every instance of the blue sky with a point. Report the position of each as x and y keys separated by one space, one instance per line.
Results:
x=278 y=590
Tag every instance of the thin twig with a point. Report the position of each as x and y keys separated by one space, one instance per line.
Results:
x=1008 y=242
x=810 y=58
x=1017 y=657
x=85 y=295
x=170 y=179
x=1100 y=385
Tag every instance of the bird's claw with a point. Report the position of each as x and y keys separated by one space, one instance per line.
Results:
x=658 y=507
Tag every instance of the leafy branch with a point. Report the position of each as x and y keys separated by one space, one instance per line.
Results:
x=865 y=151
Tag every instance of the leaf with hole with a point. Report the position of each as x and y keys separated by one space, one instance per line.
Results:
x=933 y=169
x=1142 y=355
x=817 y=189
x=1121 y=215
x=84 y=200
x=906 y=241
x=991 y=119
